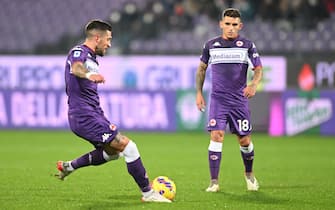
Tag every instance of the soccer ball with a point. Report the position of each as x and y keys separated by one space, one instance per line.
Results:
x=165 y=186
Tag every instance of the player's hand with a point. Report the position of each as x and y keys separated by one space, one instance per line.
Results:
x=97 y=78
x=201 y=104
x=249 y=91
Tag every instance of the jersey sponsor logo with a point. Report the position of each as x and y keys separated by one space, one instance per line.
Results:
x=239 y=43
x=228 y=55
x=255 y=55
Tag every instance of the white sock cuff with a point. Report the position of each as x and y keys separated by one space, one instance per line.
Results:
x=131 y=152
x=247 y=149
x=70 y=167
x=215 y=146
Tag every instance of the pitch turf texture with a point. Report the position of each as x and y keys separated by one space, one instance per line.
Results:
x=294 y=173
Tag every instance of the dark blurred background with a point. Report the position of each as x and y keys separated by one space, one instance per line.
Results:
x=165 y=26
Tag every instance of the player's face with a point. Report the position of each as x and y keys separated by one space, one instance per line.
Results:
x=104 y=42
x=230 y=27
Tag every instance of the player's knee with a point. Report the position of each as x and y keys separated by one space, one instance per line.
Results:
x=131 y=152
x=245 y=141
x=217 y=136
x=109 y=157
x=119 y=143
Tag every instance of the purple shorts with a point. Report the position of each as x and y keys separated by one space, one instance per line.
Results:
x=92 y=127
x=220 y=115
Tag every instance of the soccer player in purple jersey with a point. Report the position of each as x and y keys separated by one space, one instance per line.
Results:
x=86 y=117
x=228 y=55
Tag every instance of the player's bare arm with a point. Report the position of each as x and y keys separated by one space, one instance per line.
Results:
x=251 y=89
x=79 y=70
x=200 y=78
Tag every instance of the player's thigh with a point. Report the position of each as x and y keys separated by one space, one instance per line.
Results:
x=218 y=116
x=94 y=128
x=239 y=121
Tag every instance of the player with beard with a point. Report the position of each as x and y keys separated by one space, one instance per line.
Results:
x=86 y=117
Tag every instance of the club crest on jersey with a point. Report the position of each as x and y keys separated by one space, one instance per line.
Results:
x=112 y=127
x=212 y=122
x=239 y=43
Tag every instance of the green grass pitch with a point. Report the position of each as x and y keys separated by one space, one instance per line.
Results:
x=294 y=173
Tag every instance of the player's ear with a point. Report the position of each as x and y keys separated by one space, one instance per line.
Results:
x=221 y=24
x=97 y=38
x=241 y=25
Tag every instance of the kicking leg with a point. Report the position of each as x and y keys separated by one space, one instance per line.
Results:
x=95 y=157
x=136 y=168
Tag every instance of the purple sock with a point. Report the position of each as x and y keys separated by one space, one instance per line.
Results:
x=94 y=157
x=248 y=159
x=214 y=159
x=137 y=171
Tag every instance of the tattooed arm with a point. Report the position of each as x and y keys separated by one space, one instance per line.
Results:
x=79 y=70
x=200 y=78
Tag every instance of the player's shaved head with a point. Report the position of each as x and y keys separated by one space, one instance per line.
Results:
x=95 y=26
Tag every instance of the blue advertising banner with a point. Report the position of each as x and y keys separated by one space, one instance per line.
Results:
x=130 y=110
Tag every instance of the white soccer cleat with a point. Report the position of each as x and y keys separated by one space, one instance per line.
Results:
x=155 y=197
x=213 y=188
x=252 y=183
x=62 y=170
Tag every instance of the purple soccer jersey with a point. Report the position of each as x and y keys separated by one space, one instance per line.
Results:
x=82 y=93
x=86 y=117
x=229 y=61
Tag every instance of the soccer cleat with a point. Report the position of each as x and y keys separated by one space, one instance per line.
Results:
x=252 y=183
x=213 y=188
x=62 y=170
x=155 y=197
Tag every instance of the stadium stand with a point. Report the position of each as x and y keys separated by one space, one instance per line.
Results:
x=165 y=26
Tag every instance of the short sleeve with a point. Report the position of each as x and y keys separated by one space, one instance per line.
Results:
x=205 y=54
x=77 y=54
x=254 y=56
